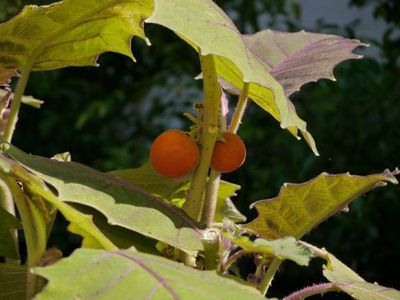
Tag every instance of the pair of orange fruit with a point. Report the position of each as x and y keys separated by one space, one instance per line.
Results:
x=175 y=154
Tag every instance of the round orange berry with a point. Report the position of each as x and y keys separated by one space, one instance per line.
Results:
x=174 y=154
x=228 y=155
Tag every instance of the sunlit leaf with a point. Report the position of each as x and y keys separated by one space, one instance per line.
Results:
x=71 y=32
x=296 y=58
x=122 y=203
x=12 y=282
x=7 y=223
x=351 y=283
x=300 y=207
x=285 y=248
x=225 y=206
x=210 y=31
x=127 y=274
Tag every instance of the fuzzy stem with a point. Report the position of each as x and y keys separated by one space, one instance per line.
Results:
x=269 y=275
x=209 y=134
x=240 y=109
x=210 y=205
x=16 y=103
x=312 y=290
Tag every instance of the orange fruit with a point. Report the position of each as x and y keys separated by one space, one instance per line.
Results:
x=229 y=155
x=174 y=154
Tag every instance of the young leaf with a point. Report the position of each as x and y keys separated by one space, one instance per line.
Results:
x=225 y=207
x=12 y=282
x=351 y=283
x=122 y=203
x=300 y=207
x=71 y=33
x=7 y=223
x=128 y=274
x=296 y=58
x=285 y=248
x=209 y=30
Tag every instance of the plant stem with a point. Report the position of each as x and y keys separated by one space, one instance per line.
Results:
x=229 y=262
x=312 y=290
x=34 y=226
x=269 y=275
x=209 y=134
x=240 y=109
x=16 y=103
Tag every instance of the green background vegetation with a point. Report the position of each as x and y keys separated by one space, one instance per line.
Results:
x=108 y=116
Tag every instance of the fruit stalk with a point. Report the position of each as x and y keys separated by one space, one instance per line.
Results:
x=209 y=135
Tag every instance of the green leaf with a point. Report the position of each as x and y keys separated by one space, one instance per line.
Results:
x=225 y=207
x=122 y=203
x=300 y=207
x=210 y=31
x=296 y=58
x=8 y=223
x=146 y=179
x=71 y=33
x=351 y=283
x=285 y=248
x=127 y=274
x=12 y=282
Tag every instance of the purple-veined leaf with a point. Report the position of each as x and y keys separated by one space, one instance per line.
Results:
x=300 y=207
x=295 y=59
x=126 y=274
x=210 y=31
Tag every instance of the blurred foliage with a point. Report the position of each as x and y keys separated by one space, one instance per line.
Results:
x=108 y=116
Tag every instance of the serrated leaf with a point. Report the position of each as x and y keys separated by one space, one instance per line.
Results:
x=300 y=207
x=12 y=282
x=210 y=31
x=351 y=283
x=285 y=248
x=127 y=274
x=8 y=223
x=71 y=32
x=225 y=207
x=122 y=203
x=296 y=58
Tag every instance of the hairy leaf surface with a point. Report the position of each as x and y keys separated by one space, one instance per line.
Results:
x=122 y=203
x=297 y=58
x=71 y=32
x=210 y=31
x=300 y=207
x=7 y=223
x=351 y=283
x=12 y=282
x=125 y=273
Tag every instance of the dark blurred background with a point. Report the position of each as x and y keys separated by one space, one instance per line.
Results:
x=108 y=116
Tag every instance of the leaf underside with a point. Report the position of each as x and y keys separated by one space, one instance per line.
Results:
x=126 y=273
x=300 y=207
x=210 y=31
x=122 y=203
x=296 y=58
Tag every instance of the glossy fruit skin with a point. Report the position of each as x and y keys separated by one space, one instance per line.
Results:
x=229 y=155
x=174 y=154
